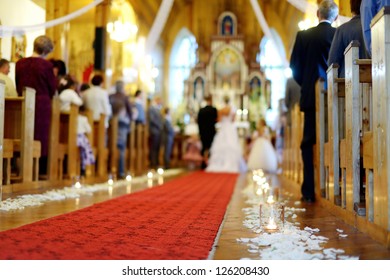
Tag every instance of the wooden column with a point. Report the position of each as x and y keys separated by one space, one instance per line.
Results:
x=380 y=31
x=100 y=45
x=56 y=9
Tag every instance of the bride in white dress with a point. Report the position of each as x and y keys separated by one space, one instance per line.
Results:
x=225 y=153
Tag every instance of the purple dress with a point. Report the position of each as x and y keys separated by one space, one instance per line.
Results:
x=37 y=73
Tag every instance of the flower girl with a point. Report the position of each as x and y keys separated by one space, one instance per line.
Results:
x=262 y=154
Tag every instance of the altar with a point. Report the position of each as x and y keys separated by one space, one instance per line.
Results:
x=229 y=73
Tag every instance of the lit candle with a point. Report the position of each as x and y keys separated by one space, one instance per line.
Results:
x=110 y=182
x=150 y=183
x=150 y=175
x=160 y=171
x=271 y=224
x=270 y=199
x=110 y=189
x=77 y=185
x=160 y=180
x=245 y=114
x=129 y=178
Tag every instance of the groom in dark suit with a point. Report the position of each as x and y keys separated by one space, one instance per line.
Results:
x=308 y=63
x=207 y=118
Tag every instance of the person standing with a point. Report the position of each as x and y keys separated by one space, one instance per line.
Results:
x=155 y=131
x=207 y=118
x=139 y=111
x=308 y=63
x=122 y=109
x=368 y=9
x=96 y=99
x=10 y=90
x=168 y=138
x=345 y=33
x=37 y=72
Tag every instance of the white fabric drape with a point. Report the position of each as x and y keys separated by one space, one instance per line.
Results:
x=9 y=31
x=267 y=32
x=158 y=25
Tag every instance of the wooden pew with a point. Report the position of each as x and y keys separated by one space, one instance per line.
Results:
x=63 y=142
x=6 y=145
x=131 y=151
x=296 y=139
x=19 y=128
x=2 y=94
x=138 y=147
x=336 y=133
x=112 y=145
x=358 y=132
x=321 y=160
x=98 y=142
x=68 y=140
x=380 y=216
x=90 y=170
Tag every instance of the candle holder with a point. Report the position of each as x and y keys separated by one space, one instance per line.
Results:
x=129 y=178
x=150 y=179
x=271 y=216
x=76 y=182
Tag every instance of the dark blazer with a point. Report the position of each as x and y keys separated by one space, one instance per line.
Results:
x=207 y=118
x=309 y=60
x=345 y=33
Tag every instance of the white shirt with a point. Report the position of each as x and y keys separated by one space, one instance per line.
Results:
x=10 y=90
x=83 y=125
x=96 y=99
x=68 y=97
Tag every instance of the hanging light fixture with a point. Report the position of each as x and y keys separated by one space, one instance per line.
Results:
x=120 y=29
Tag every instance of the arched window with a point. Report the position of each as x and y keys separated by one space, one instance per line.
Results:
x=270 y=60
x=182 y=60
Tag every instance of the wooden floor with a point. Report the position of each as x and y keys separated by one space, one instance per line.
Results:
x=226 y=246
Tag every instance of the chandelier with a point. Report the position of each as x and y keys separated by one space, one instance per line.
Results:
x=121 y=30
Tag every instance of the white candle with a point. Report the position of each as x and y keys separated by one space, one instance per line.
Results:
x=270 y=199
x=271 y=224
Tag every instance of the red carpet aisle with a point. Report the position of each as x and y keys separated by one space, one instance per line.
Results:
x=178 y=220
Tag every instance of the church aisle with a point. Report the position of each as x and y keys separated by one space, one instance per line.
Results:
x=227 y=247
x=336 y=239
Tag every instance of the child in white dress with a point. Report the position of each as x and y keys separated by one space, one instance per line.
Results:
x=262 y=153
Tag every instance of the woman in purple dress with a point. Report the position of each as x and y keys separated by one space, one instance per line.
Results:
x=37 y=72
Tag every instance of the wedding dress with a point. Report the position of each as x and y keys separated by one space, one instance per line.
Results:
x=263 y=154
x=225 y=152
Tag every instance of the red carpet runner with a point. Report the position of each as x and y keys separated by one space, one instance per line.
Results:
x=178 y=220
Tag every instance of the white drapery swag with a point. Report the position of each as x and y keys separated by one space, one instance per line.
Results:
x=158 y=25
x=267 y=32
x=9 y=31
